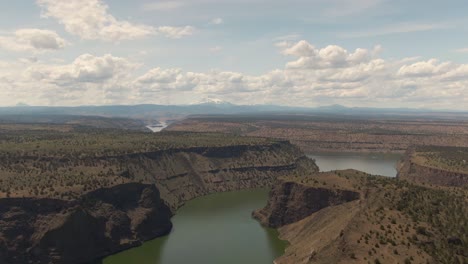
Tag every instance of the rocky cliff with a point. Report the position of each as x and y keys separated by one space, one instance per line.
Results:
x=113 y=202
x=420 y=168
x=291 y=201
x=183 y=174
x=414 y=172
x=352 y=217
x=100 y=223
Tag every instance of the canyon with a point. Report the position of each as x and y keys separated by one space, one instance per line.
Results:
x=121 y=198
x=42 y=230
x=441 y=166
x=121 y=188
x=348 y=216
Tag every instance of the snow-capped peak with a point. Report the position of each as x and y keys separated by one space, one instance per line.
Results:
x=210 y=100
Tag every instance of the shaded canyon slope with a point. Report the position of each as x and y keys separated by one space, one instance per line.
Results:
x=352 y=217
x=42 y=230
x=183 y=174
x=436 y=166
x=290 y=202
x=72 y=197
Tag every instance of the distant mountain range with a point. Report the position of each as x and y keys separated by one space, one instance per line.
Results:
x=211 y=106
x=212 y=101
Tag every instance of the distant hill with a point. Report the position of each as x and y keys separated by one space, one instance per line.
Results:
x=214 y=106
x=72 y=120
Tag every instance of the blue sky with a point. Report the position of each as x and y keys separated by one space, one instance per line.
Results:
x=309 y=53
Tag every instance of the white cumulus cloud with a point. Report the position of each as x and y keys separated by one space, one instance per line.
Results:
x=331 y=75
x=32 y=40
x=90 y=19
x=86 y=68
x=331 y=56
x=424 y=68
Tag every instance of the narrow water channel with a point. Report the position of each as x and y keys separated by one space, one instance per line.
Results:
x=217 y=228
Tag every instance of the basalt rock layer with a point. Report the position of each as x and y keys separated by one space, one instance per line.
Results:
x=184 y=174
x=145 y=189
x=426 y=166
x=100 y=223
x=290 y=202
x=352 y=217
x=423 y=174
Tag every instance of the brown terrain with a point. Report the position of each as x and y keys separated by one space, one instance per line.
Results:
x=352 y=217
x=114 y=189
x=338 y=133
x=109 y=191
x=44 y=230
x=438 y=166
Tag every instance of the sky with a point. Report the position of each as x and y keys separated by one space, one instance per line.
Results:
x=372 y=53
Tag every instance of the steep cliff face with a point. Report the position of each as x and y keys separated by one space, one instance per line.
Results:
x=100 y=223
x=352 y=217
x=110 y=219
x=411 y=168
x=183 y=174
x=291 y=201
x=422 y=174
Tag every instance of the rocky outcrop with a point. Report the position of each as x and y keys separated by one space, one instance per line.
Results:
x=111 y=219
x=290 y=202
x=421 y=174
x=183 y=174
x=100 y=223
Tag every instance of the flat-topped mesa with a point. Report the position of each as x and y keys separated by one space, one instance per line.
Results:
x=102 y=222
x=436 y=166
x=337 y=133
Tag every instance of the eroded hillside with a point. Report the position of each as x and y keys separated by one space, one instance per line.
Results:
x=57 y=184
x=182 y=165
x=353 y=217
x=44 y=230
x=435 y=166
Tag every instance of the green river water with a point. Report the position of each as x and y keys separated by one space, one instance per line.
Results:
x=219 y=229
x=216 y=228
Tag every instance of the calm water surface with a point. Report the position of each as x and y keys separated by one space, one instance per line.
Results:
x=379 y=164
x=217 y=228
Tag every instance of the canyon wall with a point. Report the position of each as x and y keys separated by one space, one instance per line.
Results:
x=100 y=223
x=291 y=201
x=353 y=217
x=411 y=170
x=151 y=186
x=183 y=174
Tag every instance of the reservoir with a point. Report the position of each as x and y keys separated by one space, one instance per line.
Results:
x=216 y=228
x=372 y=163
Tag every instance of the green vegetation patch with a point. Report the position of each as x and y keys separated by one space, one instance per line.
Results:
x=50 y=163
x=446 y=212
x=99 y=142
x=447 y=158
